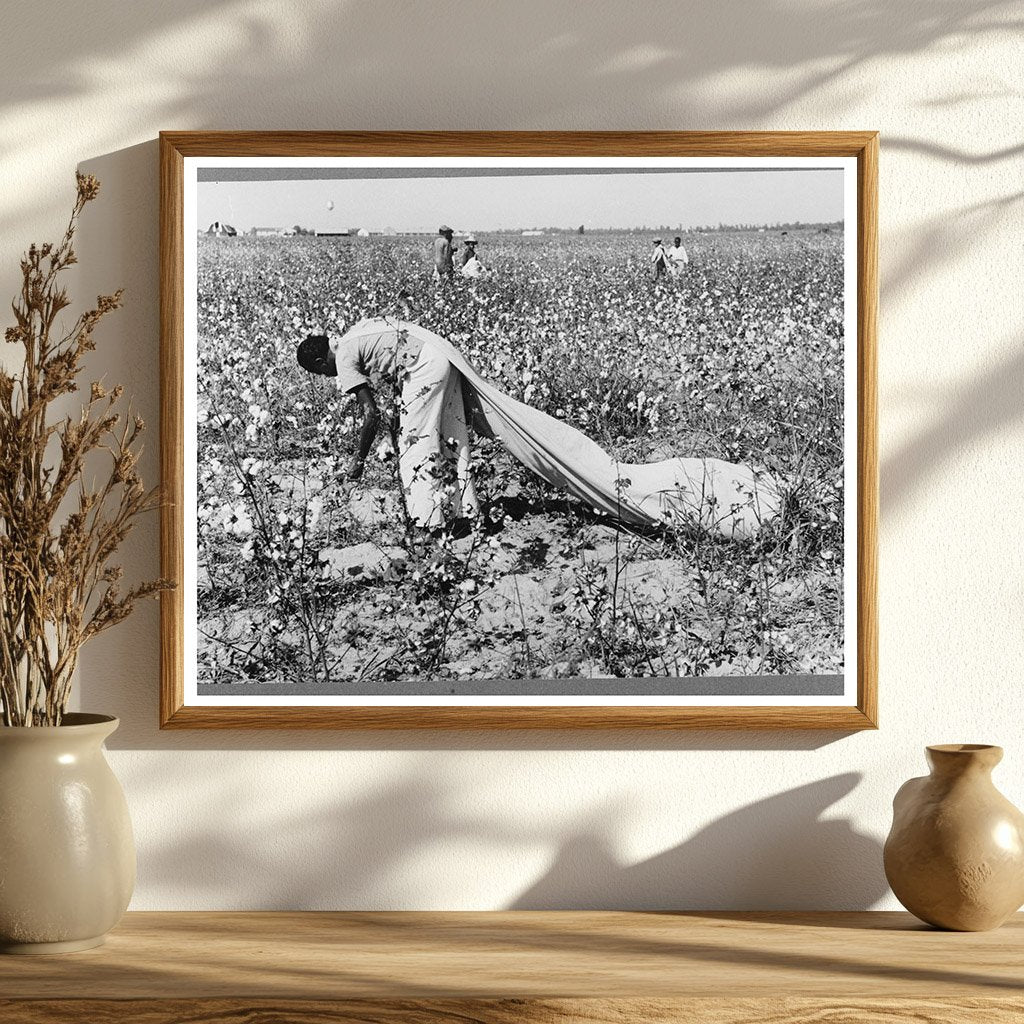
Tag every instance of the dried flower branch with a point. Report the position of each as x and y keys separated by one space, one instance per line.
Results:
x=57 y=588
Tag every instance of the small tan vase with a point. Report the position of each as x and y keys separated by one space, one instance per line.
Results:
x=955 y=855
x=67 y=856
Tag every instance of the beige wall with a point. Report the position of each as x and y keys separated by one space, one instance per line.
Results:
x=629 y=820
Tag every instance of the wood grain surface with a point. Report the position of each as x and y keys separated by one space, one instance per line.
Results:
x=867 y=438
x=645 y=717
x=526 y=954
x=515 y=1011
x=524 y=966
x=639 y=144
x=176 y=146
x=172 y=427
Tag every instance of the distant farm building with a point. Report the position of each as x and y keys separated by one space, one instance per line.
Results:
x=362 y=233
x=532 y=234
x=266 y=232
x=221 y=230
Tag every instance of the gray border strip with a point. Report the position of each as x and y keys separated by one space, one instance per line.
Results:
x=703 y=686
x=219 y=174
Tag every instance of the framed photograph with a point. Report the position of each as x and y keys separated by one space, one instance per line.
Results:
x=519 y=430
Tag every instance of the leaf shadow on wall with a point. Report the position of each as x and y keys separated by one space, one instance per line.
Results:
x=207 y=59
x=989 y=405
x=319 y=64
x=400 y=844
x=940 y=243
x=777 y=853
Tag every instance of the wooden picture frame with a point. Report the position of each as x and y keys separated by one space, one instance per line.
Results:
x=859 y=707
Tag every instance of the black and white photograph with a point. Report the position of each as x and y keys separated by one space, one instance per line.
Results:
x=521 y=431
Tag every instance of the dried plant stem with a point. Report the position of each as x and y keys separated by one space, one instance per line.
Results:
x=58 y=588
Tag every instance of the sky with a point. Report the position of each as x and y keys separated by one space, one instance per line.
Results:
x=421 y=200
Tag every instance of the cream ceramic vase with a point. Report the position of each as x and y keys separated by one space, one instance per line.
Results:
x=67 y=856
x=955 y=855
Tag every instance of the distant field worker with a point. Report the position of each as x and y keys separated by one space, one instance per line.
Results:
x=659 y=260
x=677 y=258
x=471 y=265
x=444 y=265
x=442 y=395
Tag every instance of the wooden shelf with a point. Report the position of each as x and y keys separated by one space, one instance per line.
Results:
x=500 y=968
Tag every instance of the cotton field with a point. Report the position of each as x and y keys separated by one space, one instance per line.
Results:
x=303 y=578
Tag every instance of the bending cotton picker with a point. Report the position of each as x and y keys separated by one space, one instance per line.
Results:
x=442 y=395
